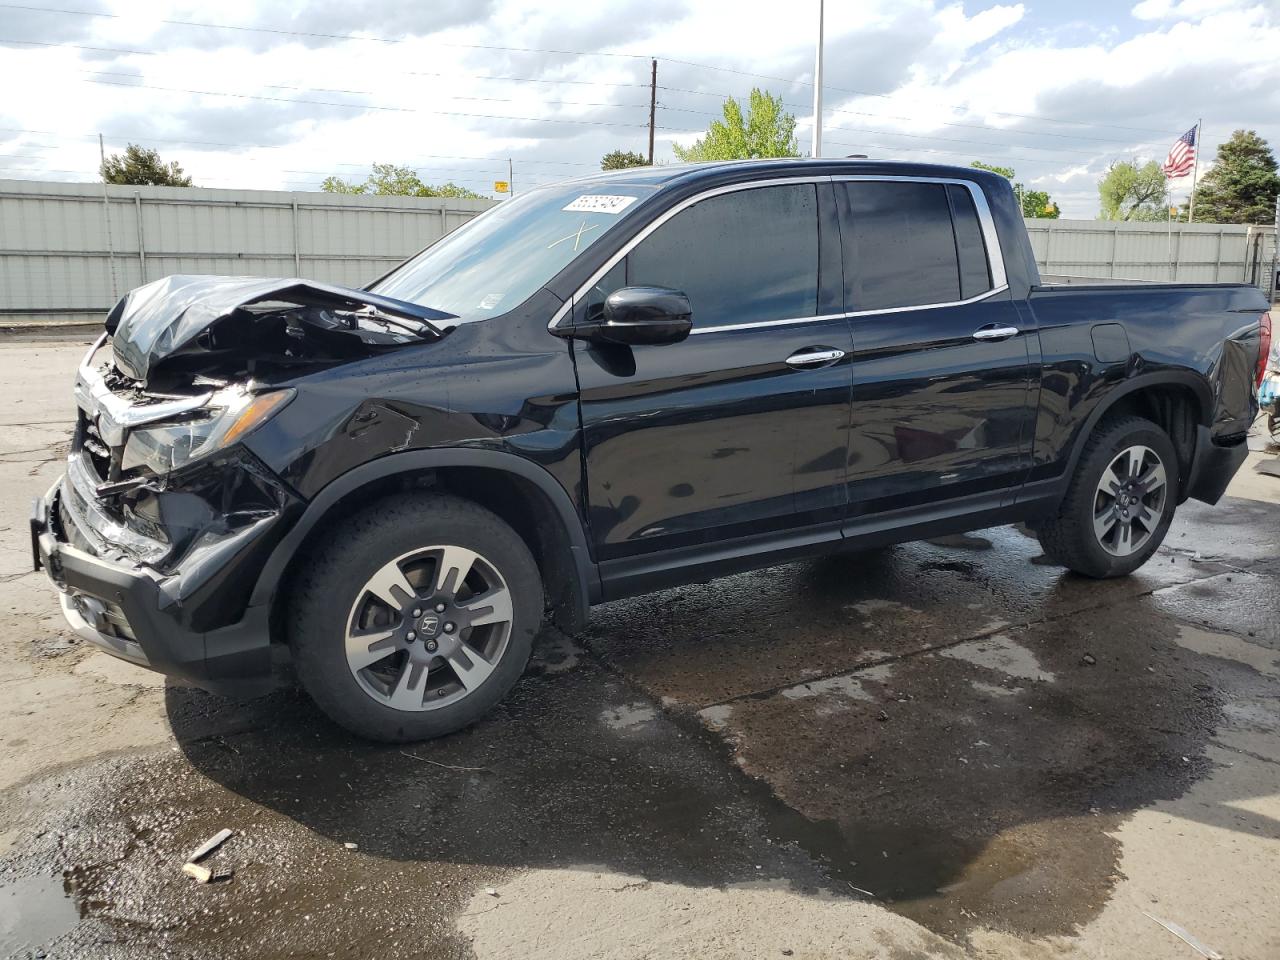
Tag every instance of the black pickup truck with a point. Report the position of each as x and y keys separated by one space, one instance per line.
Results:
x=605 y=387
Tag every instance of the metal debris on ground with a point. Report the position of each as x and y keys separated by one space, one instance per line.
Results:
x=1182 y=934
x=351 y=846
x=210 y=845
x=197 y=873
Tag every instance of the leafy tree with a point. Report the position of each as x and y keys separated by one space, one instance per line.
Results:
x=1241 y=186
x=138 y=165
x=766 y=131
x=1035 y=203
x=389 y=180
x=1129 y=191
x=622 y=159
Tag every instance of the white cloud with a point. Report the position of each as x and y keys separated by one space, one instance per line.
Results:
x=1185 y=9
x=914 y=79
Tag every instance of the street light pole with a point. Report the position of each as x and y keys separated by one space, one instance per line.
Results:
x=816 y=145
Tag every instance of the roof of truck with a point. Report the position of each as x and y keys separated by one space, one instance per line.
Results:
x=664 y=175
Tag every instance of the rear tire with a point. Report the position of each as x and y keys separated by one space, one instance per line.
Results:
x=1120 y=501
x=415 y=617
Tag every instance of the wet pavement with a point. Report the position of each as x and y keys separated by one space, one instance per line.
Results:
x=937 y=749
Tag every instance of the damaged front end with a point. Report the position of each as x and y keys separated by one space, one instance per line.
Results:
x=159 y=529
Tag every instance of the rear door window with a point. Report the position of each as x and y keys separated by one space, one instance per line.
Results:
x=740 y=257
x=975 y=270
x=903 y=248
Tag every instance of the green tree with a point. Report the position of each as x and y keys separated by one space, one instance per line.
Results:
x=1036 y=204
x=622 y=160
x=1242 y=184
x=138 y=165
x=766 y=131
x=390 y=180
x=1133 y=191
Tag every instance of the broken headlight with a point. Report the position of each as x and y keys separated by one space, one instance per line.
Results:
x=228 y=416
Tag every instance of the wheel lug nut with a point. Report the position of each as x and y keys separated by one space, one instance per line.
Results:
x=439 y=608
x=417 y=612
x=432 y=645
x=448 y=628
x=411 y=636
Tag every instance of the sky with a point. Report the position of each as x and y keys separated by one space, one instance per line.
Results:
x=249 y=94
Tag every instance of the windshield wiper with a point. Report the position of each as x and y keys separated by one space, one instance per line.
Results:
x=418 y=328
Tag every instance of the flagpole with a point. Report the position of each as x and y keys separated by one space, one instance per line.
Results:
x=815 y=148
x=1195 y=173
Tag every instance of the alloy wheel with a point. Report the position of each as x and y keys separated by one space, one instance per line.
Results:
x=1129 y=502
x=428 y=628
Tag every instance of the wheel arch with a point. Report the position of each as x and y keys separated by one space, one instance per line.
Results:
x=519 y=491
x=1166 y=398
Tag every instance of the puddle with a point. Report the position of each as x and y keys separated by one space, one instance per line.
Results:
x=628 y=716
x=1227 y=647
x=994 y=690
x=846 y=685
x=869 y=608
x=1002 y=654
x=34 y=911
x=716 y=717
x=961 y=541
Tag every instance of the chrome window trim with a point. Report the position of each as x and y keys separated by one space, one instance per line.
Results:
x=991 y=239
x=995 y=258
x=851 y=315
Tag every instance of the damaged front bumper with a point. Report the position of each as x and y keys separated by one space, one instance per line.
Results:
x=134 y=611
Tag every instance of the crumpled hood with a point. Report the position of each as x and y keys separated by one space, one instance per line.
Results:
x=160 y=318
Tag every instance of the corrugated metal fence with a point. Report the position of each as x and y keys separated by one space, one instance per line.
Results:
x=1190 y=253
x=59 y=263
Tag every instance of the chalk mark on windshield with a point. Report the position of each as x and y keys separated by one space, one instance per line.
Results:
x=576 y=236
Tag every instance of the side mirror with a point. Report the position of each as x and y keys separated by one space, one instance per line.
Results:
x=642 y=315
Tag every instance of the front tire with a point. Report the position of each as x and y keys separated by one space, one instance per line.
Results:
x=415 y=617
x=1120 y=501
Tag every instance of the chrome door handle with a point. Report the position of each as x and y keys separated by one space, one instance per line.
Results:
x=814 y=357
x=995 y=333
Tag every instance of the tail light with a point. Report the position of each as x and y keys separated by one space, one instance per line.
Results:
x=1264 y=348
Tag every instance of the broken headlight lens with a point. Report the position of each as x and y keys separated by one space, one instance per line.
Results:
x=228 y=416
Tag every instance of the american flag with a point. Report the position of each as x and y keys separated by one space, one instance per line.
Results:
x=1182 y=155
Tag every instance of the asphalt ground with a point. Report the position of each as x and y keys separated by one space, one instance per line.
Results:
x=939 y=749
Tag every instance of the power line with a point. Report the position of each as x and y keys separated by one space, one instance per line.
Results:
x=370 y=106
x=890 y=96
x=684 y=90
x=144 y=138
x=371 y=93
x=1041 y=161
x=403 y=73
x=891 y=116
x=278 y=31
x=574 y=53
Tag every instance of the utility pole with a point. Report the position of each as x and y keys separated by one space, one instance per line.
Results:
x=653 y=103
x=816 y=145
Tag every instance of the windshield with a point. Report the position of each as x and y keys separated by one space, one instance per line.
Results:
x=499 y=259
